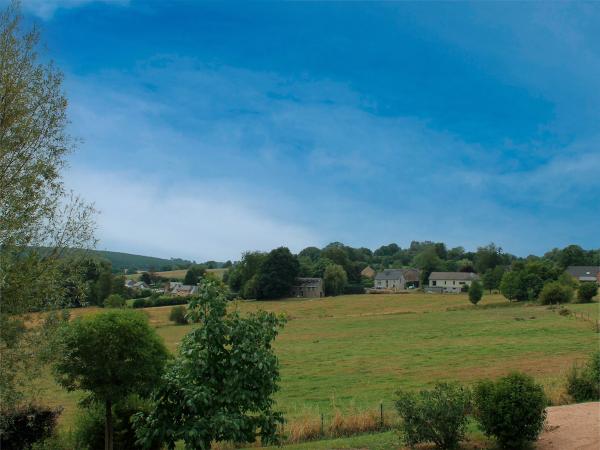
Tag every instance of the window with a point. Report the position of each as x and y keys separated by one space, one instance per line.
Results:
x=433 y=283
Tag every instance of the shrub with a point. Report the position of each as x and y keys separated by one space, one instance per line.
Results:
x=177 y=315
x=169 y=301
x=89 y=426
x=475 y=292
x=586 y=292
x=24 y=426
x=512 y=409
x=114 y=301
x=438 y=415
x=140 y=303
x=555 y=293
x=352 y=289
x=583 y=384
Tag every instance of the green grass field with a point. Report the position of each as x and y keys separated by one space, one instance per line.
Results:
x=353 y=352
x=179 y=274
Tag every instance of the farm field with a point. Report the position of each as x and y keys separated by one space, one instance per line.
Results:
x=353 y=352
x=179 y=274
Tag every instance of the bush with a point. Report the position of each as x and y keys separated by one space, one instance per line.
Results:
x=475 y=292
x=584 y=384
x=114 y=301
x=89 y=426
x=352 y=289
x=178 y=315
x=159 y=301
x=438 y=415
x=24 y=426
x=140 y=303
x=512 y=409
x=586 y=292
x=555 y=293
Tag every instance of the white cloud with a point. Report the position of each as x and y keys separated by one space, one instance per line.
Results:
x=195 y=221
x=45 y=9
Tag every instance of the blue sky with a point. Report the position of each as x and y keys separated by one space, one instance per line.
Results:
x=213 y=128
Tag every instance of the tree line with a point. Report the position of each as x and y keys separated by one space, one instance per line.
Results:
x=269 y=275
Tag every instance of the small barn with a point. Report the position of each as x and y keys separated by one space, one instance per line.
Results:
x=368 y=272
x=308 y=288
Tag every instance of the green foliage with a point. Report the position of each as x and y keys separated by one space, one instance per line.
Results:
x=159 y=301
x=114 y=301
x=277 y=274
x=583 y=384
x=88 y=432
x=525 y=280
x=23 y=426
x=110 y=355
x=221 y=385
x=586 y=292
x=334 y=279
x=246 y=271
x=178 y=315
x=511 y=409
x=475 y=292
x=492 y=278
x=555 y=293
x=193 y=275
x=438 y=415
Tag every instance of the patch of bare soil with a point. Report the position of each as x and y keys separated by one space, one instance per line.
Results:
x=572 y=427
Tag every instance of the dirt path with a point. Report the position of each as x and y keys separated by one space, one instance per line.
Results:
x=572 y=427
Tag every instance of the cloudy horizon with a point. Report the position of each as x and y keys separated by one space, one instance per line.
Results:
x=211 y=129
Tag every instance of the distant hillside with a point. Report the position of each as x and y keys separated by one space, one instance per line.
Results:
x=121 y=261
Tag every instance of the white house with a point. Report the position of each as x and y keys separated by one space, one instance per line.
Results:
x=451 y=281
x=396 y=279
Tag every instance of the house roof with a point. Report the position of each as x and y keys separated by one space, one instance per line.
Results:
x=398 y=274
x=583 y=271
x=301 y=282
x=462 y=276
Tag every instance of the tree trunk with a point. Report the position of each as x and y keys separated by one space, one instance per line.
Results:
x=108 y=428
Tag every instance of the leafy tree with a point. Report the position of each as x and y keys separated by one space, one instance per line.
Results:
x=312 y=253
x=512 y=287
x=114 y=301
x=193 y=275
x=572 y=255
x=488 y=257
x=39 y=221
x=586 y=292
x=512 y=409
x=555 y=293
x=146 y=278
x=277 y=274
x=428 y=261
x=110 y=355
x=221 y=385
x=334 y=279
x=475 y=292
x=118 y=286
x=492 y=278
x=242 y=272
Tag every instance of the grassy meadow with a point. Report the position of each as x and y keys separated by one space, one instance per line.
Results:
x=351 y=353
x=178 y=274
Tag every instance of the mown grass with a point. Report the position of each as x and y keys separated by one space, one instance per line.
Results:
x=351 y=353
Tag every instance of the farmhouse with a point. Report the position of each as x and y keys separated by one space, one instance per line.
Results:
x=368 y=272
x=179 y=289
x=397 y=279
x=585 y=273
x=308 y=288
x=450 y=281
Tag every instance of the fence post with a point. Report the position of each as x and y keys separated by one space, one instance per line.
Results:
x=322 y=424
x=381 y=415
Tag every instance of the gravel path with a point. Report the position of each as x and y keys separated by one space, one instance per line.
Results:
x=572 y=427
